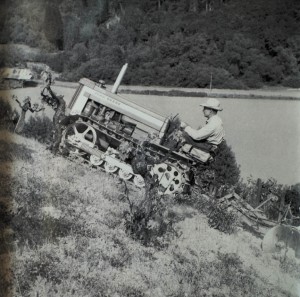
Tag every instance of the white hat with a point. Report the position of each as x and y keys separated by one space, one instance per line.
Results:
x=212 y=103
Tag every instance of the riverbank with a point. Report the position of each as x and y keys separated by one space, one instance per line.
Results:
x=270 y=93
x=275 y=93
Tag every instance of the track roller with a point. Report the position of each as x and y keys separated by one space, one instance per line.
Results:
x=139 y=181
x=125 y=175
x=110 y=168
x=96 y=161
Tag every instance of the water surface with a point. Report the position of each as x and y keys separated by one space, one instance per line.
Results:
x=264 y=134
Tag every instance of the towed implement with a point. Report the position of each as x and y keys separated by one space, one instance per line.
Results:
x=111 y=131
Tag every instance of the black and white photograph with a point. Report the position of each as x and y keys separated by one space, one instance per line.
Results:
x=149 y=148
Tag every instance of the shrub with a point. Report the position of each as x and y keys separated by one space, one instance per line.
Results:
x=292 y=81
x=236 y=84
x=219 y=215
x=14 y=151
x=292 y=197
x=87 y=31
x=39 y=128
x=56 y=61
x=8 y=116
x=269 y=189
x=222 y=218
x=252 y=79
x=225 y=275
x=71 y=31
x=152 y=218
x=221 y=174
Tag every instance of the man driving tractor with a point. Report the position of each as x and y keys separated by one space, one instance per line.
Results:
x=209 y=136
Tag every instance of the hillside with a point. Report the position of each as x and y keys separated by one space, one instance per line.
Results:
x=238 y=43
x=63 y=235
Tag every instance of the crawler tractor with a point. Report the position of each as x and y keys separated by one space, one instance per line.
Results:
x=109 y=127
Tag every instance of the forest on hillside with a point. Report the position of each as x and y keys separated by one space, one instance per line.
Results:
x=239 y=43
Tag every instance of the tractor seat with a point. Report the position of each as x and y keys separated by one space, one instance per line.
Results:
x=199 y=154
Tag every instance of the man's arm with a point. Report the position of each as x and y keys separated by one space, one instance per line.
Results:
x=202 y=133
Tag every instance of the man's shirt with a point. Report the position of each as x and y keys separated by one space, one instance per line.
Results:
x=213 y=131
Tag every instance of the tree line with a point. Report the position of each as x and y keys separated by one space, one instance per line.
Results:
x=239 y=43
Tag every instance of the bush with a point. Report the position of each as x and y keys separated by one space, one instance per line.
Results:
x=14 y=151
x=151 y=220
x=39 y=128
x=222 y=218
x=71 y=31
x=252 y=80
x=56 y=61
x=219 y=216
x=221 y=175
x=87 y=32
x=236 y=84
x=8 y=116
x=292 y=81
x=292 y=197
x=267 y=189
x=225 y=275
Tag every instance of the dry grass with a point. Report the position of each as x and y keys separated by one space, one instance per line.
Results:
x=67 y=236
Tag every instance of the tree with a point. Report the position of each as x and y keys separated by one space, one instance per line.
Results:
x=103 y=8
x=193 y=5
x=53 y=25
x=71 y=31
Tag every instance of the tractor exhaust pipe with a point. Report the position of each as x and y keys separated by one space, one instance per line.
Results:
x=119 y=79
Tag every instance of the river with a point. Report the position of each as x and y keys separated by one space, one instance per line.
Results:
x=264 y=134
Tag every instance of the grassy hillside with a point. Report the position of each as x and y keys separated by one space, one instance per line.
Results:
x=63 y=234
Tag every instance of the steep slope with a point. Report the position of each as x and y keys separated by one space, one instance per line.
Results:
x=65 y=236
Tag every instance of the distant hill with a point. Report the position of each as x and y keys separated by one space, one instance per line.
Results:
x=236 y=43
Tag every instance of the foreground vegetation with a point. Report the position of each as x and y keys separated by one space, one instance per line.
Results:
x=67 y=230
x=239 y=43
x=63 y=226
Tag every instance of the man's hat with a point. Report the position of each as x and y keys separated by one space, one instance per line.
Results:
x=212 y=103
